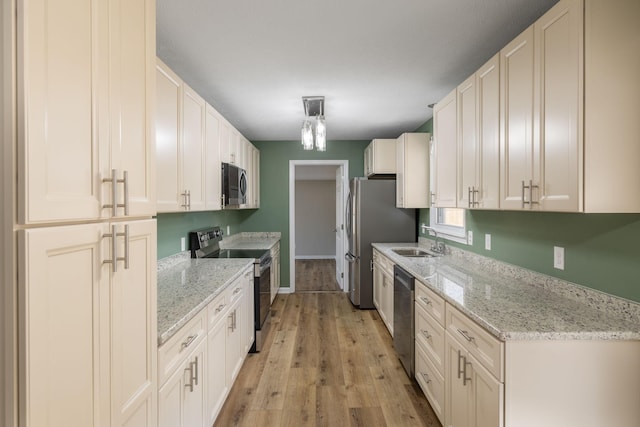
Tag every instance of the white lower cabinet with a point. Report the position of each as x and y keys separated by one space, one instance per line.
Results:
x=198 y=365
x=275 y=271
x=104 y=340
x=182 y=397
x=473 y=396
x=383 y=288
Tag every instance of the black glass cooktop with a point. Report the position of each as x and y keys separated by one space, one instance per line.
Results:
x=238 y=253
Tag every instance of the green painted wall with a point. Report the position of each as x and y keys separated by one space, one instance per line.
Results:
x=273 y=214
x=601 y=250
x=173 y=226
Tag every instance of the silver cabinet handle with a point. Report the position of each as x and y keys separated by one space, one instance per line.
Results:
x=466 y=335
x=220 y=307
x=114 y=205
x=474 y=193
x=114 y=248
x=125 y=181
x=426 y=378
x=426 y=300
x=524 y=202
x=236 y=290
x=464 y=374
x=460 y=357
x=469 y=195
x=189 y=197
x=426 y=334
x=433 y=198
x=188 y=341
x=531 y=187
x=187 y=200
x=114 y=192
x=190 y=383
x=235 y=319
x=194 y=371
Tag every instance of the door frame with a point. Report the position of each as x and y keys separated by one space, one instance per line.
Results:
x=344 y=165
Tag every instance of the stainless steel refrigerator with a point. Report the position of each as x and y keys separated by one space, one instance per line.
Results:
x=372 y=217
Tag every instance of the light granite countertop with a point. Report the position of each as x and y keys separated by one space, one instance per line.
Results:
x=186 y=286
x=518 y=308
x=250 y=240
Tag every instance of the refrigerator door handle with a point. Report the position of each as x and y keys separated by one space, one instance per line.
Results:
x=350 y=257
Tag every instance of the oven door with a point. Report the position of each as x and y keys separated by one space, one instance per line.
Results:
x=263 y=293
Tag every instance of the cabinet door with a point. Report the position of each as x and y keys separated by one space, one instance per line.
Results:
x=193 y=152
x=488 y=93
x=194 y=391
x=368 y=159
x=445 y=151
x=378 y=278
x=516 y=116
x=256 y=178
x=386 y=298
x=213 y=166
x=225 y=141
x=133 y=328
x=486 y=406
x=170 y=398
x=558 y=109
x=64 y=292
x=468 y=147
x=217 y=387
x=234 y=341
x=400 y=175
x=58 y=164
x=457 y=394
x=131 y=90
x=168 y=100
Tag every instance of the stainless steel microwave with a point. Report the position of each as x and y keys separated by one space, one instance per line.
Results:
x=234 y=186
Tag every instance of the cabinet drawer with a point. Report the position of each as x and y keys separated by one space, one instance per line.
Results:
x=177 y=349
x=234 y=291
x=430 y=302
x=217 y=309
x=486 y=348
x=431 y=382
x=430 y=335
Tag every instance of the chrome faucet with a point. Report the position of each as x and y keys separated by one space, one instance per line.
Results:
x=437 y=246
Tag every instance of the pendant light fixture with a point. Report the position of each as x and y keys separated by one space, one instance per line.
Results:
x=314 y=107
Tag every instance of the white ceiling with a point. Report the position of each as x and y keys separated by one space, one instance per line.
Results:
x=378 y=63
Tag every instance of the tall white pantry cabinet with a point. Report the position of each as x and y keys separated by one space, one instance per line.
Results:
x=83 y=137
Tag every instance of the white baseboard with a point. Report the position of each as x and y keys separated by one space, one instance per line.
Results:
x=315 y=257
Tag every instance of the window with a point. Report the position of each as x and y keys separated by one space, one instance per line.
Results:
x=449 y=223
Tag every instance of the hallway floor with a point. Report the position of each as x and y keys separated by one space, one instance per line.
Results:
x=314 y=275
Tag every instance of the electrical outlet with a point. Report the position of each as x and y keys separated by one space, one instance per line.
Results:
x=183 y=244
x=558 y=257
x=487 y=242
x=228 y=230
x=469 y=237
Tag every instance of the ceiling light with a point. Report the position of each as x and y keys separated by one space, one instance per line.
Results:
x=314 y=107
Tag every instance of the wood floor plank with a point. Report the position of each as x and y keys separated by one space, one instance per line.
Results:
x=366 y=417
x=331 y=406
x=316 y=275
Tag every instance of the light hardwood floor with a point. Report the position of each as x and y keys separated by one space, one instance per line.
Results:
x=316 y=275
x=325 y=363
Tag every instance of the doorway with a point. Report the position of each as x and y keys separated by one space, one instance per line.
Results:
x=317 y=196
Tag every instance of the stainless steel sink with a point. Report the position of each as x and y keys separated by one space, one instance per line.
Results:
x=413 y=252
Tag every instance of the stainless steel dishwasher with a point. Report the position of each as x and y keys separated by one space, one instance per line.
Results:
x=403 y=322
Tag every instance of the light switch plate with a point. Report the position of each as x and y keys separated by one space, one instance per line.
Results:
x=558 y=257
x=470 y=237
x=183 y=244
x=487 y=242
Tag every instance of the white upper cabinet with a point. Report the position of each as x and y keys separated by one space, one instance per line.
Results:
x=479 y=138
x=558 y=101
x=488 y=138
x=84 y=87
x=568 y=111
x=516 y=111
x=192 y=188
x=380 y=157
x=58 y=162
x=168 y=100
x=412 y=171
x=445 y=149
x=212 y=172
x=131 y=96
